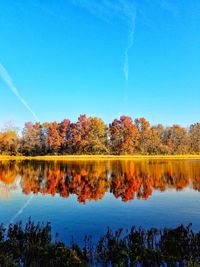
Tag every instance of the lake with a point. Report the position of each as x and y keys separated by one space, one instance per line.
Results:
x=85 y=197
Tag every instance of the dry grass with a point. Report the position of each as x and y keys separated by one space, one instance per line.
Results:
x=102 y=157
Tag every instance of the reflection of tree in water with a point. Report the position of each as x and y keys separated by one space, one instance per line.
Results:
x=91 y=180
x=8 y=174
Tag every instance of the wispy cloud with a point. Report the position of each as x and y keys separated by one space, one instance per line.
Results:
x=8 y=80
x=131 y=24
x=123 y=10
x=169 y=6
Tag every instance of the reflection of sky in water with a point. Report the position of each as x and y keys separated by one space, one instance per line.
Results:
x=70 y=218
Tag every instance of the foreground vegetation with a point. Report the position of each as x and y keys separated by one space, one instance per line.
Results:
x=32 y=245
x=92 y=136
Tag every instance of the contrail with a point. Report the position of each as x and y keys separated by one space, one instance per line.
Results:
x=20 y=211
x=126 y=57
x=7 y=79
x=124 y=10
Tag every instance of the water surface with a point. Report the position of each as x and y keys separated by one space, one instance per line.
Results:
x=86 y=197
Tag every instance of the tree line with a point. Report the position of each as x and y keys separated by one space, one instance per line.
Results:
x=91 y=135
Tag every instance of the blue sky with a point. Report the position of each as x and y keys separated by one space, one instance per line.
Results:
x=104 y=58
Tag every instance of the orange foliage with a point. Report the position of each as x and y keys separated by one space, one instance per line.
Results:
x=91 y=180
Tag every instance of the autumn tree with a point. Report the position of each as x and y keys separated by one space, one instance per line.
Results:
x=154 y=145
x=143 y=127
x=123 y=136
x=79 y=135
x=54 y=140
x=33 y=138
x=97 y=136
x=64 y=132
x=92 y=136
x=176 y=139
x=73 y=139
x=194 y=137
x=9 y=142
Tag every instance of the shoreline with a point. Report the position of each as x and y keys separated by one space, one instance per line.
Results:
x=101 y=157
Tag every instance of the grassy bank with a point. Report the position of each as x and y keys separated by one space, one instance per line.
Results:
x=103 y=157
